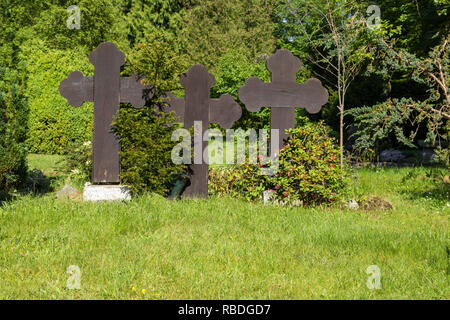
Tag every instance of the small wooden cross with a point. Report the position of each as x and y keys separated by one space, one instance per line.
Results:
x=197 y=106
x=283 y=94
x=107 y=90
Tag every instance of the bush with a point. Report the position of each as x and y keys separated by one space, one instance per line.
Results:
x=145 y=134
x=308 y=171
x=13 y=130
x=239 y=181
x=79 y=161
x=146 y=147
x=309 y=167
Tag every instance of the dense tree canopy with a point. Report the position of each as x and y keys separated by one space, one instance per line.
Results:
x=233 y=38
x=213 y=27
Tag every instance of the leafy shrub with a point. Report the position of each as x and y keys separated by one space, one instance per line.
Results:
x=308 y=171
x=145 y=134
x=79 y=161
x=13 y=130
x=399 y=122
x=100 y=21
x=146 y=161
x=309 y=167
x=239 y=181
x=146 y=146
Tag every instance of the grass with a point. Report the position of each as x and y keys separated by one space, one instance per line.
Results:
x=231 y=249
x=50 y=165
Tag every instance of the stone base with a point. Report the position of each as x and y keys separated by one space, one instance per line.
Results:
x=96 y=193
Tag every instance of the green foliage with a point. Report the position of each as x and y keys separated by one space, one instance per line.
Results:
x=240 y=181
x=79 y=161
x=146 y=150
x=144 y=16
x=308 y=171
x=397 y=123
x=46 y=20
x=234 y=69
x=159 y=61
x=13 y=131
x=333 y=37
x=309 y=167
x=145 y=134
x=16 y=19
x=325 y=44
x=422 y=23
x=380 y=126
x=233 y=39
x=215 y=27
x=429 y=117
x=100 y=21
x=55 y=126
x=443 y=154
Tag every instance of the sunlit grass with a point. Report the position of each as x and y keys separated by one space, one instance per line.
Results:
x=223 y=248
x=50 y=165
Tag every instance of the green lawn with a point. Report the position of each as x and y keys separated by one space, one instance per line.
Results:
x=231 y=249
x=50 y=165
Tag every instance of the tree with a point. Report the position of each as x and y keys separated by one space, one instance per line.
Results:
x=214 y=27
x=333 y=37
x=421 y=23
x=13 y=131
x=431 y=114
x=144 y=16
x=100 y=21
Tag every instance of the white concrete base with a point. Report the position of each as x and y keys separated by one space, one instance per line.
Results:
x=96 y=193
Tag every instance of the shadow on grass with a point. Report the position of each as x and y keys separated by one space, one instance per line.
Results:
x=435 y=182
x=5 y=197
x=37 y=184
x=438 y=192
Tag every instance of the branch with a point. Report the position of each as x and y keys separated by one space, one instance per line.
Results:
x=442 y=113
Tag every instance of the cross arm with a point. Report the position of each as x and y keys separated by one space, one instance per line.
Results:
x=77 y=89
x=310 y=95
x=134 y=92
x=176 y=105
x=225 y=111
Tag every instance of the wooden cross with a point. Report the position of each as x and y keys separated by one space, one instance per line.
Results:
x=107 y=90
x=197 y=106
x=283 y=94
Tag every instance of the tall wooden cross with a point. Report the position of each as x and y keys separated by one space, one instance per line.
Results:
x=197 y=106
x=107 y=90
x=283 y=94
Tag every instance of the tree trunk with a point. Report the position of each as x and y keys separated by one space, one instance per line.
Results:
x=341 y=134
